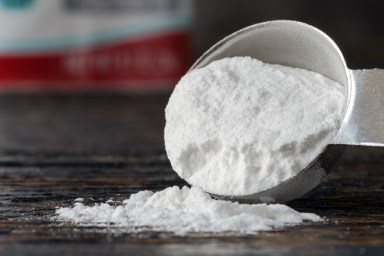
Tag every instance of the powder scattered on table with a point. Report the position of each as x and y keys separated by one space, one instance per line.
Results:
x=183 y=211
x=240 y=126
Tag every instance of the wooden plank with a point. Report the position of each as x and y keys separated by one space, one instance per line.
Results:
x=351 y=201
x=103 y=123
x=55 y=148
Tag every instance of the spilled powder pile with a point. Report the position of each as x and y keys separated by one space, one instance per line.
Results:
x=183 y=211
x=239 y=126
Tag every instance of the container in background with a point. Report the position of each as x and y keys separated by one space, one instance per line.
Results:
x=98 y=44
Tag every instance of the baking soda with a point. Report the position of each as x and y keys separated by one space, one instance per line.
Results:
x=240 y=126
x=235 y=127
x=184 y=211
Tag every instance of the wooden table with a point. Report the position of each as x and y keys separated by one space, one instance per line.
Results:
x=55 y=148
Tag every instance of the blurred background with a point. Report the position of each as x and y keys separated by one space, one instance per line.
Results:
x=83 y=77
x=355 y=26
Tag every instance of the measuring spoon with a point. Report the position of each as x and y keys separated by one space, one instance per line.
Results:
x=300 y=45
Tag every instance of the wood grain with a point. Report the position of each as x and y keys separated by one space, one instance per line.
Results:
x=44 y=166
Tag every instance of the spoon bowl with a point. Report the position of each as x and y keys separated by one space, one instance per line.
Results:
x=300 y=45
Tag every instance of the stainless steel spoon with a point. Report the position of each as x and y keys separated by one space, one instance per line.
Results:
x=297 y=44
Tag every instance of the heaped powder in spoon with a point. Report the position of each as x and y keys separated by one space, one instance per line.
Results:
x=183 y=211
x=240 y=126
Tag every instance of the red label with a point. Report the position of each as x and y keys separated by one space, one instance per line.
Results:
x=146 y=62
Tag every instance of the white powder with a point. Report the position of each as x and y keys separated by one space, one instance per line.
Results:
x=239 y=126
x=183 y=211
x=235 y=127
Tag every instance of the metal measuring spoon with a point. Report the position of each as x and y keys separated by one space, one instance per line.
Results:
x=300 y=45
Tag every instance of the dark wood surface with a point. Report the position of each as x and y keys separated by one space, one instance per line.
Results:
x=55 y=148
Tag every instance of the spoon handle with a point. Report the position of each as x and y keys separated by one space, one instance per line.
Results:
x=364 y=121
